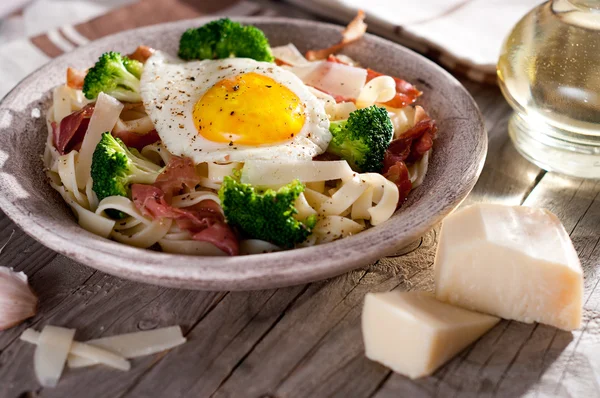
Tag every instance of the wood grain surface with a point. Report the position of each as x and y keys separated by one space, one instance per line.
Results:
x=305 y=341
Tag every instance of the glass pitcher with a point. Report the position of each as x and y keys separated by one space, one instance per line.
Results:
x=549 y=71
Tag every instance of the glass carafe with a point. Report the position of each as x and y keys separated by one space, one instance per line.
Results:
x=549 y=71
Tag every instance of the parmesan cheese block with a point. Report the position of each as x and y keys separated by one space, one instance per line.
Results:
x=514 y=262
x=413 y=334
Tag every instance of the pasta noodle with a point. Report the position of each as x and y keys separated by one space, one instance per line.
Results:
x=141 y=125
x=345 y=202
x=146 y=236
x=379 y=89
x=344 y=197
x=418 y=170
x=256 y=246
x=62 y=102
x=156 y=152
x=66 y=171
x=190 y=247
x=335 y=110
x=277 y=173
x=331 y=228
x=303 y=207
x=216 y=171
x=88 y=220
x=192 y=198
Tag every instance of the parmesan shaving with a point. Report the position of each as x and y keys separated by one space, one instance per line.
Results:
x=277 y=173
x=84 y=351
x=105 y=116
x=133 y=345
x=54 y=344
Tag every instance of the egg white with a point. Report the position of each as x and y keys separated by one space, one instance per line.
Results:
x=170 y=88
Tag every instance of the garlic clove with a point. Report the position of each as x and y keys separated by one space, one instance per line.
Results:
x=17 y=300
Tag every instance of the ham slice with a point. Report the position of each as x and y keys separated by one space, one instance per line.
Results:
x=135 y=140
x=354 y=31
x=75 y=78
x=179 y=173
x=68 y=134
x=398 y=174
x=204 y=220
x=142 y=53
x=409 y=148
x=412 y=145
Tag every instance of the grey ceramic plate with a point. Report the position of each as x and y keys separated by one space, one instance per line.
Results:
x=26 y=197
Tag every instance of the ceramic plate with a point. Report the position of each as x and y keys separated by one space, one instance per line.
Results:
x=27 y=199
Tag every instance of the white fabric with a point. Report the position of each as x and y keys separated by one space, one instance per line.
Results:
x=18 y=58
x=470 y=31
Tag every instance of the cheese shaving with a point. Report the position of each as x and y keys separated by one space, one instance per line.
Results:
x=54 y=344
x=86 y=351
x=133 y=345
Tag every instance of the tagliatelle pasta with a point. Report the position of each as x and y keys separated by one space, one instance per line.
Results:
x=380 y=89
x=171 y=195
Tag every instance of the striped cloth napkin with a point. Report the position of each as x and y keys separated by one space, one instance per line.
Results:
x=20 y=57
x=463 y=35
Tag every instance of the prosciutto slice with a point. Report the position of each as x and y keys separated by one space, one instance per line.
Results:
x=354 y=31
x=412 y=145
x=135 y=140
x=142 y=53
x=68 y=134
x=75 y=78
x=204 y=220
x=398 y=174
x=409 y=148
x=179 y=173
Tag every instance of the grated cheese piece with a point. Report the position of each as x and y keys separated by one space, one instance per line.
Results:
x=133 y=345
x=54 y=344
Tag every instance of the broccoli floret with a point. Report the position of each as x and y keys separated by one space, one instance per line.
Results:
x=115 y=168
x=224 y=38
x=266 y=215
x=362 y=139
x=115 y=75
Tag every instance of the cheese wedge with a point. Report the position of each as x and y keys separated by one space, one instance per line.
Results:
x=513 y=262
x=413 y=334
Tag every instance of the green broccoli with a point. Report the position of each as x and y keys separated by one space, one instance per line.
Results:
x=265 y=214
x=115 y=75
x=115 y=168
x=362 y=139
x=225 y=38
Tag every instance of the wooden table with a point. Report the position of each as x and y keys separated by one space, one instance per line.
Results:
x=305 y=341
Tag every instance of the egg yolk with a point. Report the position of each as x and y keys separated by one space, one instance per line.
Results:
x=249 y=109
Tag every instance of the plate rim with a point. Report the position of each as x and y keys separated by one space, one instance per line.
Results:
x=147 y=266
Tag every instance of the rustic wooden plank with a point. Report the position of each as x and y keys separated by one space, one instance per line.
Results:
x=21 y=252
x=304 y=326
x=97 y=305
x=218 y=344
x=305 y=341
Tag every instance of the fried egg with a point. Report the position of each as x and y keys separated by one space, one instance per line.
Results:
x=232 y=110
